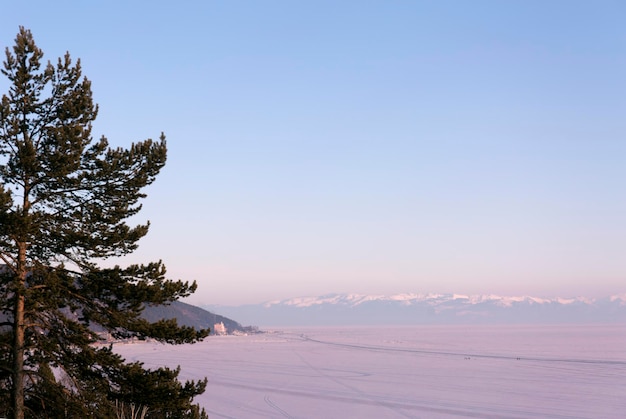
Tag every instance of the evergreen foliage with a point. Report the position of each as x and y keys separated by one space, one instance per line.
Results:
x=64 y=202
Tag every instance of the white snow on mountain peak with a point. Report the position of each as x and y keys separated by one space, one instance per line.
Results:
x=432 y=308
x=621 y=298
x=431 y=299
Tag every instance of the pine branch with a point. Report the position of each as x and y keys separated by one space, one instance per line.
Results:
x=9 y=261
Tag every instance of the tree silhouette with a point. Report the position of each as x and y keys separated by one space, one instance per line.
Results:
x=64 y=204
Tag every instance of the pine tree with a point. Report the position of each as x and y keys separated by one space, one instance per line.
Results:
x=65 y=199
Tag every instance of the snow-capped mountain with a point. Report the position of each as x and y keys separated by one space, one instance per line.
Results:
x=406 y=309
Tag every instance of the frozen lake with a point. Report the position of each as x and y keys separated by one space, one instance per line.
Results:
x=406 y=372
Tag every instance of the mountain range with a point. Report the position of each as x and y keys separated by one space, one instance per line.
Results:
x=408 y=309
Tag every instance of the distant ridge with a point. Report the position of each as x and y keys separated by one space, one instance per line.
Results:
x=406 y=309
x=190 y=315
x=185 y=314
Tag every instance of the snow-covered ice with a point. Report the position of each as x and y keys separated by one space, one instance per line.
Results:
x=406 y=372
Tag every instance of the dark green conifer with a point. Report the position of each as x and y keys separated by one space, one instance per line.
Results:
x=64 y=204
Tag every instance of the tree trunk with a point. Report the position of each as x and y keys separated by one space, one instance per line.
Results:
x=18 y=360
x=18 y=339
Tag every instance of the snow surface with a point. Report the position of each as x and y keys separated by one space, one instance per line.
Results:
x=406 y=372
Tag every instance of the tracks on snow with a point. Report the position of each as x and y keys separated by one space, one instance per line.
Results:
x=463 y=354
x=274 y=406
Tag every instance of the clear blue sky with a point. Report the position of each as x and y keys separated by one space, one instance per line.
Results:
x=367 y=147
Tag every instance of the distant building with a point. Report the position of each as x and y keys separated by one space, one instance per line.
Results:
x=219 y=328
